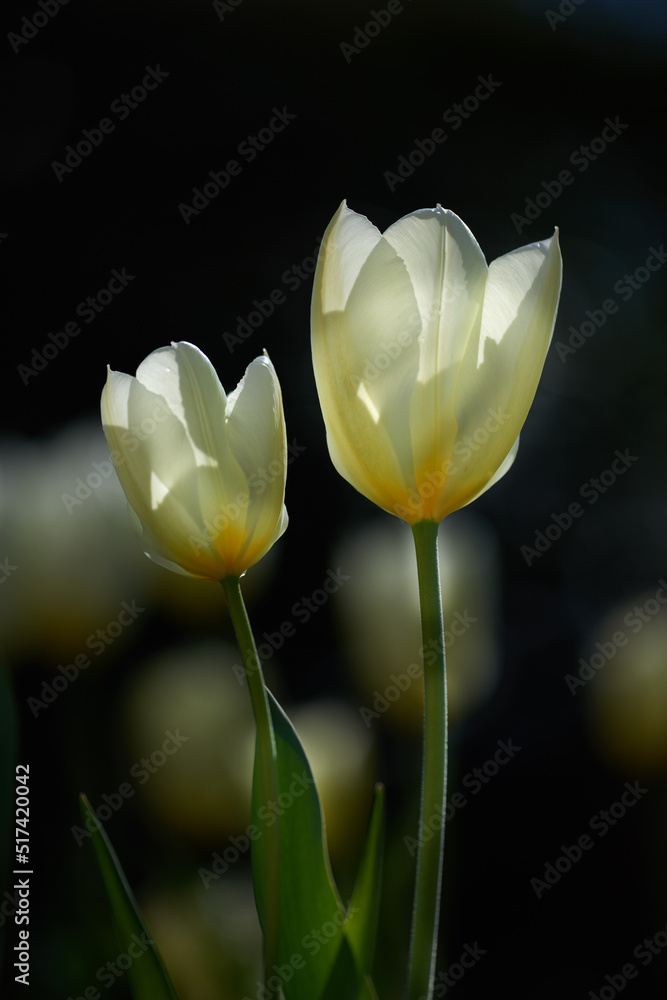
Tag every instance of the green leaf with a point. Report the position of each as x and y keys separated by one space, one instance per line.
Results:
x=367 y=990
x=355 y=955
x=345 y=979
x=364 y=910
x=147 y=975
x=311 y=912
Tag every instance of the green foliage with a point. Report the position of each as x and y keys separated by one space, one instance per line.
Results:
x=147 y=975
x=325 y=949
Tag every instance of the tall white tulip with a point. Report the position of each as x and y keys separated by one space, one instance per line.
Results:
x=203 y=472
x=426 y=358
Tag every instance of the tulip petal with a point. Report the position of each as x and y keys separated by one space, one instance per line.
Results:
x=520 y=301
x=496 y=477
x=153 y=446
x=187 y=380
x=151 y=546
x=146 y=440
x=188 y=383
x=254 y=415
x=366 y=360
x=346 y=244
x=255 y=422
x=500 y=373
x=447 y=270
x=222 y=483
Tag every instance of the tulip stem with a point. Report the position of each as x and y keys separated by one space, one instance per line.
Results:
x=267 y=758
x=426 y=909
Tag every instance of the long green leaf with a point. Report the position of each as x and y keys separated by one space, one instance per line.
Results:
x=367 y=990
x=147 y=975
x=355 y=955
x=364 y=910
x=345 y=979
x=312 y=914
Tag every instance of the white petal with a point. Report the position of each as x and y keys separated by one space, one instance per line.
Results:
x=346 y=244
x=359 y=444
x=507 y=464
x=521 y=296
x=517 y=324
x=189 y=384
x=261 y=545
x=255 y=421
x=372 y=343
x=257 y=438
x=156 y=461
x=145 y=439
x=448 y=271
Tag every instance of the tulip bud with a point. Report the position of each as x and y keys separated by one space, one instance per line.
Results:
x=204 y=473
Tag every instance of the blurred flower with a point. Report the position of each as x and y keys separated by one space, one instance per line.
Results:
x=340 y=751
x=69 y=556
x=624 y=672
x=204 y=473
x=426 y=359
x=68 y=552
x=203 y=789
x=378 y=612
x=209 y=935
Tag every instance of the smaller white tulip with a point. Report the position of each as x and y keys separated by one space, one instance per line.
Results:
x=203 y=472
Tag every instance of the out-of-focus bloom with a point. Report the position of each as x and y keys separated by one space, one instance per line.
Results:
x=204 y=472
x=378 y=613
x=62 y=517
x=427 y=359
x=208 y=925
x=191 y=696
x=624 y=672
x=205 y=770
x=341 y=753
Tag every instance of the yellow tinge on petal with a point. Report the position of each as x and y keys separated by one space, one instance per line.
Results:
x=204 y=473
x=426 y=359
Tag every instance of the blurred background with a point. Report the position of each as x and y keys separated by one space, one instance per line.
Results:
x=116 y=238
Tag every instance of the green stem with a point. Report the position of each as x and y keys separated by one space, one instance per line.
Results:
x=426 y=911
x=267 y=757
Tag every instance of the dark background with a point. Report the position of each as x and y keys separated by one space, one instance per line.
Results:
x=356 y=113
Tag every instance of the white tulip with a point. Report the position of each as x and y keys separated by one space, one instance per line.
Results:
x=203 y=472
x=426 y=358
